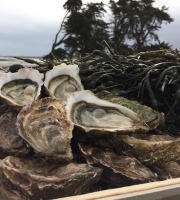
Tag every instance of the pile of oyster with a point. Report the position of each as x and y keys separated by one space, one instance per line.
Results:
x=57 y=139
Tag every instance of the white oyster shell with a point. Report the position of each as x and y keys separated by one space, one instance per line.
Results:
x=62 y=81
x=96 y=115
x=22 y=87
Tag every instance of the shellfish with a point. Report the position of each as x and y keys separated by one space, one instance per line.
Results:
x=99 y=116
x=62 y=80
x=45 y=127
x=22 y=87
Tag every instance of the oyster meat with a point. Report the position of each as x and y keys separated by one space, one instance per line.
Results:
x=45 y=127
x=43 y=180
x=22 y=87
x=118 y=170
x=62 y=80
x=10 y=141
x=95 y=115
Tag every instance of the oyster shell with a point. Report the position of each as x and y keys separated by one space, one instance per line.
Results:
x=45 y=127
x=150 y=149
x=10 y=141
x=62 y=80
x=118 y=170
x=43 y=180
x=95 y=115
x=22 y=87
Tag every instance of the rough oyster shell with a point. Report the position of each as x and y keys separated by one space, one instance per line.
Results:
x=22 y=87
x=43 y=180
x=63 y=80
x=95 y=115
x=149 y=149
x=45 y=127
x=118 y=170
x=10 y=141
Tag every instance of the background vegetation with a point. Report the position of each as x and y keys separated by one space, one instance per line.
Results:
x=131 y=25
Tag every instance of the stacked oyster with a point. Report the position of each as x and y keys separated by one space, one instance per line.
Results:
x=44 y=142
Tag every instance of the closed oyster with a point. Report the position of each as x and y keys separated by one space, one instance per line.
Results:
x=62 y=80
x=118 y=170
x=45 y=127
x=95 y=115
x=10 y=141
x=150 y=149
x=22 y=87
x=44 y=180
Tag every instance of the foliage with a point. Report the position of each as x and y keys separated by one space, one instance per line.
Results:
x=85 y=27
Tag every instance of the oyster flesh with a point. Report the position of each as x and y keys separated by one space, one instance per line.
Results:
x=43 y=180
x=62 y=80
x=45 y=127
x=22 y=87
x=95 y=115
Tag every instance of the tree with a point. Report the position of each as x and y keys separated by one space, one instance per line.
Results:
x=73 y=5
x=88 y=29
x=145 y=21
x=137 y=20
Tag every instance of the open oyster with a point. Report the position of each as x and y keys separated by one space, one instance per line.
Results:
x=22 y=87
x=44 y=180
x=62 y=80
x=95 y=115
x=45 y=127
x=10 y=141
x=118 y=170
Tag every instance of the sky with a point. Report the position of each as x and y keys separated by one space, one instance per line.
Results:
x=28 y=27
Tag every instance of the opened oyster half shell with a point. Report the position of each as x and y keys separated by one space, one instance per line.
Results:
x=95 y=115
x=22 y=87
x=45 y=127
x=63 y=80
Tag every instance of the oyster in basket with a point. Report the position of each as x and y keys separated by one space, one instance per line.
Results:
x=94 y=115
x=45 y=127
x=62 y=80
x=44 y=180
x=22 y=87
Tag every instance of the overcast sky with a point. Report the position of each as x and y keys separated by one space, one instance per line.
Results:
x=28 y=27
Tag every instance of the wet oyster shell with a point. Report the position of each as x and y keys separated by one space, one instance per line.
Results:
x=150 y=149
x=95 y=115
x=10 y=141
x=22 y=87
x=45 y=127
x=167 y=170
x=62 y=80
x=43 y=180
x=149 y=116
x=118 y=170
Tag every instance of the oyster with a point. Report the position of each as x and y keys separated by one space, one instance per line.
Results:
x=150 y=149
x=95 y=115
x=43 y=180
x=62 y=80
x=10 y=141
x=118 y=170
x=22 y=87
x=45 y=127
